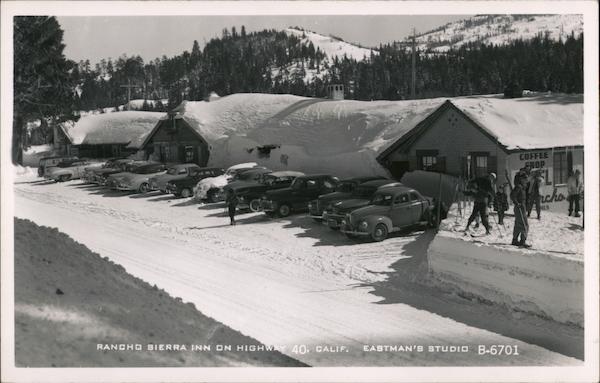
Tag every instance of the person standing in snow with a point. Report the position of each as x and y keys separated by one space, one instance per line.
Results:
x=519 y=198
x=533 y=192
x=574 y=189
x=483 y=197
x=231 y=201
x=501 y=203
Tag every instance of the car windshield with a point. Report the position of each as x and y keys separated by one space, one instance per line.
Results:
x=65 y=164
x=172 y=171
x=364 y=191
x=382 y=200
x=345 y=187
x=267 y=179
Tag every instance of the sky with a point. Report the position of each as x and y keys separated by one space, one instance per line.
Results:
x=99 y=37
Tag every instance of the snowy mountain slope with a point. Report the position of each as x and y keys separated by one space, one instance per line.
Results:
x=331 y=46
x=499 y=30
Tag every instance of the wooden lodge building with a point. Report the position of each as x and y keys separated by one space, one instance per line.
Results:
x=174 y=139
x=473 y=136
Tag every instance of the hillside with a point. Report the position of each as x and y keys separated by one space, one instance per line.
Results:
x=499 y=30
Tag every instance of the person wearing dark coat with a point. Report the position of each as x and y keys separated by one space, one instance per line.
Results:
x=533 y=192
x=519 y=199
x=501 y=204
x=232 y=201
x=483 y=196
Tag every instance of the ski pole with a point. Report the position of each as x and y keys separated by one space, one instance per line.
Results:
x=523 y=222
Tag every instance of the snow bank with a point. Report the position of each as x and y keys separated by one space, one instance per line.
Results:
x=32 y=156
x=524 y=280
x=24 y=171
x=69 y=299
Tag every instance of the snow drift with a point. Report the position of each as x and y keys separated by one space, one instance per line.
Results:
x=285 y=132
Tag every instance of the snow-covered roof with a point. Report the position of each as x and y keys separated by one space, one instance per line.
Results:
x=112 y=128
x=532 y=122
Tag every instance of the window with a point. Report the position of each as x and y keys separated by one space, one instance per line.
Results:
x=414 y=196
x=328 y=184
x=560 y=172
x=311 y=184
x=427 y=160
x=428 y=163
x=402 y=198
x=481 y=165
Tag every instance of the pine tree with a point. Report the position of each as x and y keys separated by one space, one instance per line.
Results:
x=43 y=88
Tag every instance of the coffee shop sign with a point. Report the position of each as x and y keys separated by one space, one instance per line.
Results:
x=535 y=160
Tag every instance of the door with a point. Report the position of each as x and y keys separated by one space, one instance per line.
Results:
x=398 y=168
x=416 y=207
x=401 y=210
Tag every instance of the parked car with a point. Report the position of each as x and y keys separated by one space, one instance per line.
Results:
x=49 y=162
x=211 y=188
x=390 y=210
x=295 y=198
x=138 y=180
x=112 y=180
x=101 y=176
x=361 y=196
x=250 y=192
x=90 y=173
x=183 y=187
x=173 y=172
x=66 y=171
x=342 y=191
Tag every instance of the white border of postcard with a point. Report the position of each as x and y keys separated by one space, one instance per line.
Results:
x=587 y=372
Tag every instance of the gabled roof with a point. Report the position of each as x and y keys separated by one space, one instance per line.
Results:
x=537 y=121
x=111 y=128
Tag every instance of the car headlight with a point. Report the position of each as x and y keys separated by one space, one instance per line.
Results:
x=364 y=225
x=310 y=205
x=343 y=222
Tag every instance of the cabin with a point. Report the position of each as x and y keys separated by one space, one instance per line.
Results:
x=472 y=136
x=105 y=135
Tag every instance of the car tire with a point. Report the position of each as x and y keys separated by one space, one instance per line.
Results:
x=144 y=187
x=213 y=196
x=284 y=210
x=380 y=232
x=64 y=178
x=255 y=205
x=185 y=193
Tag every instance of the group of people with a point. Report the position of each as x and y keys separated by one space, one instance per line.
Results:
x=524 y=195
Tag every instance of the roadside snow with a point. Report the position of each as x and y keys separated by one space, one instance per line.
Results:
x=69 y=300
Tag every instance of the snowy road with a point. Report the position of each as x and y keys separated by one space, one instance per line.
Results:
x=293 y=282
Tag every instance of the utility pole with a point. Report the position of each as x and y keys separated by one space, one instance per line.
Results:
x=129 y=86
x=414 y=70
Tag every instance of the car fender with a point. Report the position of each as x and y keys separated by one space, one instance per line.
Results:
x=373 y=220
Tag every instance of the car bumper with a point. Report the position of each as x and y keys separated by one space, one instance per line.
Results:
x=333 y=220
x=122 y=187
x=347 y=230
x=171 y=189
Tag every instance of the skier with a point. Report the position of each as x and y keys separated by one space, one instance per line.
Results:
x=574 y=188
x=501 y=203
x=483 y=197
x=231 y=201
x=533 y=192
x=519 y=198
